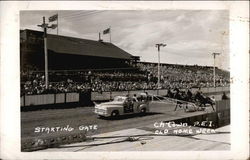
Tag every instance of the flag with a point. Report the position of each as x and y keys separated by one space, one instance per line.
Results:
x=106 y=31
x=53 y=26
x=53 y=18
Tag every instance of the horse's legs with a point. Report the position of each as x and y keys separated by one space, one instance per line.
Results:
x=212 y=107
x=176 y=106
x=201 y=106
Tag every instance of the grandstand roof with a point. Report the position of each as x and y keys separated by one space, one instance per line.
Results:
x=77 y=46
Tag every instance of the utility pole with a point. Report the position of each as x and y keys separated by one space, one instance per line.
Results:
x=214 y=55
x=159 y=75
x=45 y=26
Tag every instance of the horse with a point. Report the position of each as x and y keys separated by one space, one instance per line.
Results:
x=203 y=100
x=169 y=94
x=189 y=97
x=181 y=98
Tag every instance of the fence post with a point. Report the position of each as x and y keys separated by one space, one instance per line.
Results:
x=90 y=96
x=24 y=100
x=54 y=98
x=65 y=97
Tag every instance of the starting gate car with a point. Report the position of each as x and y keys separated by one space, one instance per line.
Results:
x=122 y=105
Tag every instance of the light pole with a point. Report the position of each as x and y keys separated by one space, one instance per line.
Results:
x=159 y=75
x=214 y=55
x=45 y=26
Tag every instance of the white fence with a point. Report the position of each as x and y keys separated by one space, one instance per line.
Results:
x=222 y=105
x=45 y=99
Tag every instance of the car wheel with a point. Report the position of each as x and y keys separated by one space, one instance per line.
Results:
x=143 y=111
x=101 y=117
x=114 y=114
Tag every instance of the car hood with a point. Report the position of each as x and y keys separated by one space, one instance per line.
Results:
x=110 y=103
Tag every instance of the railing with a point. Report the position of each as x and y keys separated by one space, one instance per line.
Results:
x=222 y=105
x=223 y=112
x=45 y=99
x=95 y=96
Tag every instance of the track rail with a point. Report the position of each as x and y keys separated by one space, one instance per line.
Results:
x=175 y=101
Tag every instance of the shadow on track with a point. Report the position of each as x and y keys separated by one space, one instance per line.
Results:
x=51 y=107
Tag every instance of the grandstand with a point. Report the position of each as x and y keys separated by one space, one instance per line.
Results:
x=76 y=65
x=68 y=53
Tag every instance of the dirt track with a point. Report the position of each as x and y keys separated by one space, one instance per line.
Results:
x=84 y=116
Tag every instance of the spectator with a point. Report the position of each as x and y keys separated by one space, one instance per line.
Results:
x=224 y=96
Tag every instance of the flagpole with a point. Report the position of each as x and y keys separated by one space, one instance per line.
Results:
x=110 y=34
x=45 y=26
x=57 y=22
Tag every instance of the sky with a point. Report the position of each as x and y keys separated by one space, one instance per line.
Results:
x=191 y=36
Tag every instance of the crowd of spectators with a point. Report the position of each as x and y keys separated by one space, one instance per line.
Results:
x=184 y=76
x=143 y=77
x=35 y=83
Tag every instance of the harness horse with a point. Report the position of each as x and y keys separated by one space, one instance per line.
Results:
x=186 y=99
x=203 y=101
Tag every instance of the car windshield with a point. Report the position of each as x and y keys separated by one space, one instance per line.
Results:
x=119 y=99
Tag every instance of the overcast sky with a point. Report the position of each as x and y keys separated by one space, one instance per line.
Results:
x=191 y=36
